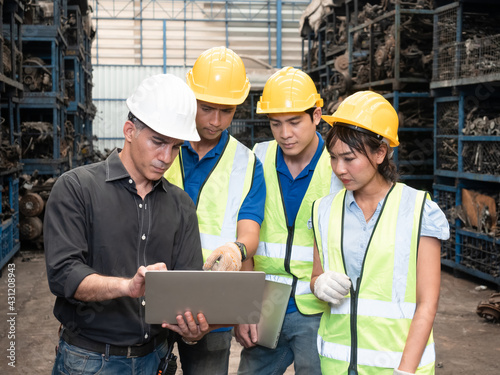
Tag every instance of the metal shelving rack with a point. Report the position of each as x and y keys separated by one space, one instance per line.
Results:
x=9 y=228
x=11 y=88
x=47 y=117
x=467 y=136
x=44 y=46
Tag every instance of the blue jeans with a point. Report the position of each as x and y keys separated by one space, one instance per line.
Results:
x=297 y=345
x=73 y=360
x=210 y=356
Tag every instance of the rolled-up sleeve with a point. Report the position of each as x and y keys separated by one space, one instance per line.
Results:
x=66 y=247
x=434 y=222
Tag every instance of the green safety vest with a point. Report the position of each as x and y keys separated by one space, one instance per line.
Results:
x=285 y=251
x=366 y=333
x=221 y=194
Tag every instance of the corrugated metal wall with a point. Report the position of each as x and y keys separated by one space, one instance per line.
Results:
x=136 y=39
x=112 y=86
x=175 y=32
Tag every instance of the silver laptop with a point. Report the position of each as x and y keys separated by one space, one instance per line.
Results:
x=229 y=297
x=274 y=305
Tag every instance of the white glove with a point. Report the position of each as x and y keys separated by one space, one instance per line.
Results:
x=332 y=286
x=225 y=258
x=399 y=372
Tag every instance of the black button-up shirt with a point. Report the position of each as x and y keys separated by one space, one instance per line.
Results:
x=95 y=222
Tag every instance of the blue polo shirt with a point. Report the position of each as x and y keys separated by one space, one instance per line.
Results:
x=196 y=172
x=294 y=190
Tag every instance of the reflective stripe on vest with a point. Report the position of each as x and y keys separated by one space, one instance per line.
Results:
x=285 y=252
x=221 y=195
x=384 y=304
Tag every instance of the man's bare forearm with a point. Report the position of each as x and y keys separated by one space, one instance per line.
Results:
x=96 y=287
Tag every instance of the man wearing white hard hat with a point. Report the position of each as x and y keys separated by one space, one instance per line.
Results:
x=105 y=226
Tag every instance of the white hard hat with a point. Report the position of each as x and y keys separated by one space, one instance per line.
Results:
x=166 y=104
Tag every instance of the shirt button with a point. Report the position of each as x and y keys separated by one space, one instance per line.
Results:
x=140 y=205
x=143 y=303
x=146 y=336
x=130 y=181
x=143 y=237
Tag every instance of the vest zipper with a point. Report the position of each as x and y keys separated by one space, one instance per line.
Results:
x=288 y=257
x=353 y=366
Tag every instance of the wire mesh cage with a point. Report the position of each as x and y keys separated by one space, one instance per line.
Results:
x=415 y=112
x=480 y=254
x=447 y=118
x=481 y=157
x=448 y=247
x=446 y=200
x=447 y=154
x=479 y=56
x=446 y=37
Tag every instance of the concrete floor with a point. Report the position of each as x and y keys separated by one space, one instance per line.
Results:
x=466 y=343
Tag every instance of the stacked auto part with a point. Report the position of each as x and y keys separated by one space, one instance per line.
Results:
x=46 y=106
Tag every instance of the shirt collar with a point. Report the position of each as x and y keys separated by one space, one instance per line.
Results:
x=349 y=200
x=115 y=170
x=217 y=150
x=283 y=168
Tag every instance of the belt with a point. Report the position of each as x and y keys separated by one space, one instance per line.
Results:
x=99 y=347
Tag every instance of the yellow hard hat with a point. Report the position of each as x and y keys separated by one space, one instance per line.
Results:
x=219 y=76
x=371 y=111
x=289 y=90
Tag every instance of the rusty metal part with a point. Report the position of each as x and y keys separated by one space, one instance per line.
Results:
x=30 y=228
x=341 y=63
x=6 y=59
x=416 y=4
x=31 y=204
x=490 y=309
x=37 y=77
x=39 y=12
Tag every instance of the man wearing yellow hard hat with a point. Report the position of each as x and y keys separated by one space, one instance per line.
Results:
x=297 y=172
x=225 y=180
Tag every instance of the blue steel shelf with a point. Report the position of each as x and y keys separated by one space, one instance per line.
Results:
x=9 y=229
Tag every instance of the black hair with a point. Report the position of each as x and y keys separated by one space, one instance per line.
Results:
x=361 y=142
x=310 y=112
x=139 y=125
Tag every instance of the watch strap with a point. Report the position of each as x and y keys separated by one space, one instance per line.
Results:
x=243 y=250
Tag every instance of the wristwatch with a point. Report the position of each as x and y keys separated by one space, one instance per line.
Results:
x=243 y=250
x=189 y=342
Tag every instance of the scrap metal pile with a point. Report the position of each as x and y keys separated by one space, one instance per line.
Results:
x=416 y=147
x=34 y=192
x=416 y=32
x=36 y=76
x=37 y=140
x=39 y=12
x=477 y=54
x=478 y=156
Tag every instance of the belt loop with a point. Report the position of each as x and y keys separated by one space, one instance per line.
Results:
x=106 y=355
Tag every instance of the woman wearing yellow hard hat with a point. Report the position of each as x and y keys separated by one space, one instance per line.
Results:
x=377 y=251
